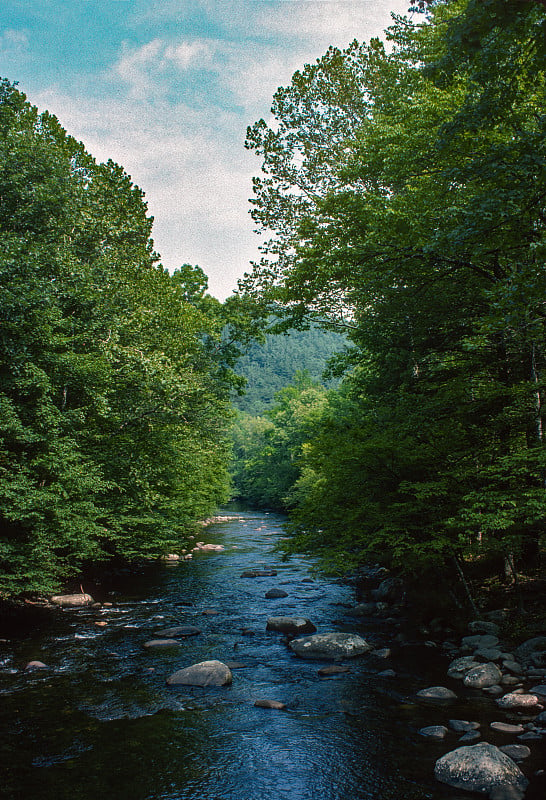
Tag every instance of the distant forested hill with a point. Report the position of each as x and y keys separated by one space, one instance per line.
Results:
x=270 y=366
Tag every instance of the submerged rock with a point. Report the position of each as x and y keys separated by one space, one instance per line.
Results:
x=273 y=594
x=161 y=643
x=463 y=725
x=259 y=573
x=434 y=732
x=206 y=673
x=330 y=645
x=335 y=669
x=479 y=768
x=178 y=630
x=470 y=737
x=274 y=704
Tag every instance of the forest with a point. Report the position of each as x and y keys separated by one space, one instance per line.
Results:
x=115 y=376
x=402 y=192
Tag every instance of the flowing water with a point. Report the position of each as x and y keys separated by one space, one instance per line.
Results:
x=100 y=721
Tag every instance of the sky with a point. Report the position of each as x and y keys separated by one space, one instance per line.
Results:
x=167 y=88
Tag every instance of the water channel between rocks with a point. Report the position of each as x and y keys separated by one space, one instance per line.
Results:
x=101 y=722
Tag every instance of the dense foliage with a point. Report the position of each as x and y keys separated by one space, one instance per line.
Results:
x=405 y=192
x=114 y=375
x=272 y=364
x=268 y=449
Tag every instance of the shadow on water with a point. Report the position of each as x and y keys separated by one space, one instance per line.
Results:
x=101 y=722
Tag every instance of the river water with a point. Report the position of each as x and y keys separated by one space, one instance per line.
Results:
x=100 y=721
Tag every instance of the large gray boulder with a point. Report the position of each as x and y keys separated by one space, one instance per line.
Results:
x=330 y=645
x=291 y=625
x=482 y=676
x=479 y=768
x=206 y=673
x=79 y=600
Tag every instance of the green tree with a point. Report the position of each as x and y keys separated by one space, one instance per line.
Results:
x=114 y=377
x=268 y=449
x=430 y=238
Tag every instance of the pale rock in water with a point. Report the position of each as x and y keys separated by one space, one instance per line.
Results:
x=482 y=676
x=72 y=600
x=206 y=673
x=330 y=645
x=293 y=625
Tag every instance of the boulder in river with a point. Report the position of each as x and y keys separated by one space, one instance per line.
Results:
x=79 y=600
x=291 y=625
x=482 y=676
x=206 y=673
x=479 y=768
x=506 y=727
x=518 y=701
x=330 y=645
x=460 y=666
x=437 y=693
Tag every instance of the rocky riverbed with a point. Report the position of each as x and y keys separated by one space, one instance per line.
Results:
x=237 y=675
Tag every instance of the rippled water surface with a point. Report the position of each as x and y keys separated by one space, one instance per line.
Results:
x=101 y=722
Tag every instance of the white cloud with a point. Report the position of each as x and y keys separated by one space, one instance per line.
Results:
x=13 y=41
x=145 y=69
x=330 y=22
x=197 y=182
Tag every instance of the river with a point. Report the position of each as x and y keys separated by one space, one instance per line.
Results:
x=100 y=721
